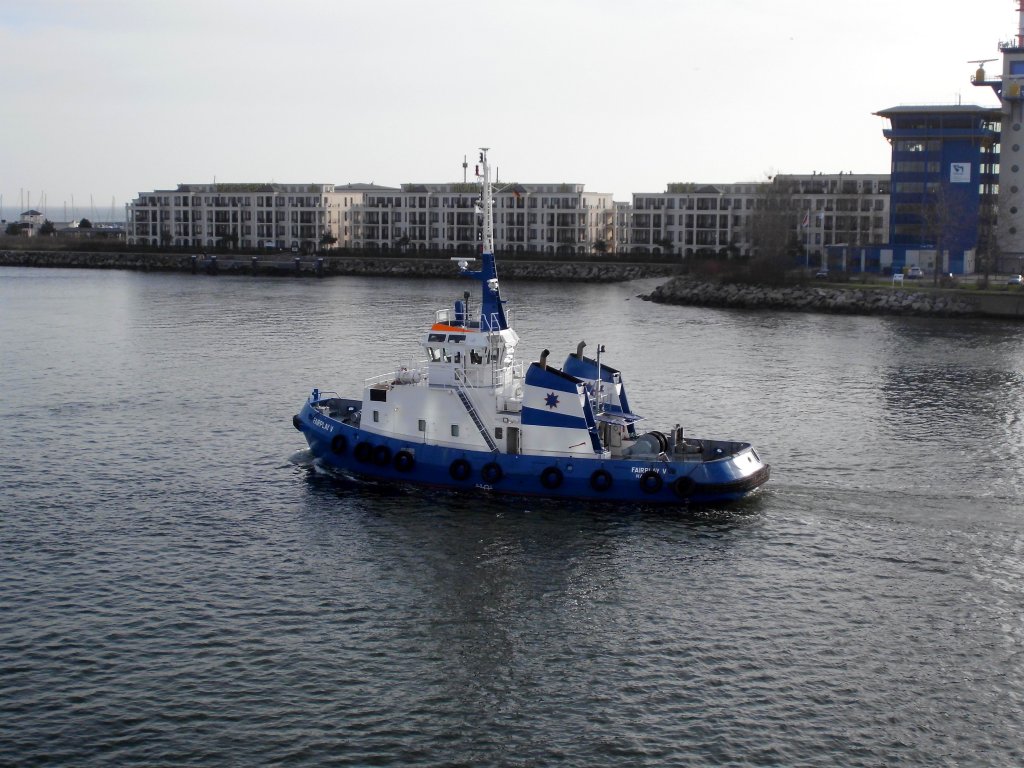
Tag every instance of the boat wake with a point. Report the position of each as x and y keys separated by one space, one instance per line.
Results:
x=302 y=458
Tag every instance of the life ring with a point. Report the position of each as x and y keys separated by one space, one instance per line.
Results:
x=297 y=422
x=363 y=452
x=404 y=461
x=339 y=444
x=551 y=478
x=492 y=472
x=601 y=480
x=460 y=469
x=651 y=482
x=381 y=455
x=683 y=487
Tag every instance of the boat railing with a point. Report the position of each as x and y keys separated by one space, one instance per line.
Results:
x=492 y=322
x=319 y=395
x=487 y=323
x=503 y=375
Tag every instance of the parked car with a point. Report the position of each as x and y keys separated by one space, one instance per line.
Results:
x=1015 y=280
x=821 y=274
x=915 y=273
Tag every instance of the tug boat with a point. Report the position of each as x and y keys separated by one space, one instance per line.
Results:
x=473 y=417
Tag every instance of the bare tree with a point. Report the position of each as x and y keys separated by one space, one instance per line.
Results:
x=773 y=231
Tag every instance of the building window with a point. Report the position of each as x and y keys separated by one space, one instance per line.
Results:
x=376 y=416
x=498 y=432
x=421 y=425
x=455 y=430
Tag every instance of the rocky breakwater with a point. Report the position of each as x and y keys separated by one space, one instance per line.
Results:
x=881 y=300
x=557 y=271
x=277 y=264
x=97 y=260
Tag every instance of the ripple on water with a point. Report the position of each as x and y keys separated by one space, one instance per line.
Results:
x=182 y=584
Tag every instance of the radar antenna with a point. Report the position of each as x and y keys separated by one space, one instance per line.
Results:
x=979 y=75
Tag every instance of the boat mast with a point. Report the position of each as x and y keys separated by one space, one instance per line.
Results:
x=487 y=203
x=492 y=310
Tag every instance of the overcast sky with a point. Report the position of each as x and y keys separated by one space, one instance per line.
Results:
x=103 y=99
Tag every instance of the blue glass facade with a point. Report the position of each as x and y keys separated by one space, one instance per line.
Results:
x=945 y=164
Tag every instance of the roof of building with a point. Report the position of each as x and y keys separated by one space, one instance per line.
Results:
x=939 y=109
x=364 y=188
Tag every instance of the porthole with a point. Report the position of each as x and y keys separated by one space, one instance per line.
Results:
x=1015 y=168
x=1016 y=126
x=1013 y=209
x=1016 y=147
x=1013 y=230
x=1013 y=190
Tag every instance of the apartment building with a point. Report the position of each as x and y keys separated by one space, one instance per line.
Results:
x=304 y=216
x=693 y=219
x=541 y=218
x=686 y=219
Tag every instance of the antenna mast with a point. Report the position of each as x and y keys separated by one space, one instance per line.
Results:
x=487 y=201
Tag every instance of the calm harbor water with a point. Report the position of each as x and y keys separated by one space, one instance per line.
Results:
x=179 y=586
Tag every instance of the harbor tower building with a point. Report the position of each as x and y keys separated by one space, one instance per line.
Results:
x=942 y=186
x=1010 y=90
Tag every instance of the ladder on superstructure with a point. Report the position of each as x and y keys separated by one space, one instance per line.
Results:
x=471 y=410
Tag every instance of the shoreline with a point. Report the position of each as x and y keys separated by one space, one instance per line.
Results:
x=683 y=290
x=332 y=266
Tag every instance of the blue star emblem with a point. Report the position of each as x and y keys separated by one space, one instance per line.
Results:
x=551 y=400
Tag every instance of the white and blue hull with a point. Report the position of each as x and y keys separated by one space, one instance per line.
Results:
x=702 y=479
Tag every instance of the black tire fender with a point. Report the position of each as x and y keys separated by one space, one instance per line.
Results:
x=601 y=480
x=460 y=470
x=404 y=461
x=683 y=487
x=551 y=478
x=651 y=482
x=492 y=472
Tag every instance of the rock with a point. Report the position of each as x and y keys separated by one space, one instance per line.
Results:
x=800 y=298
